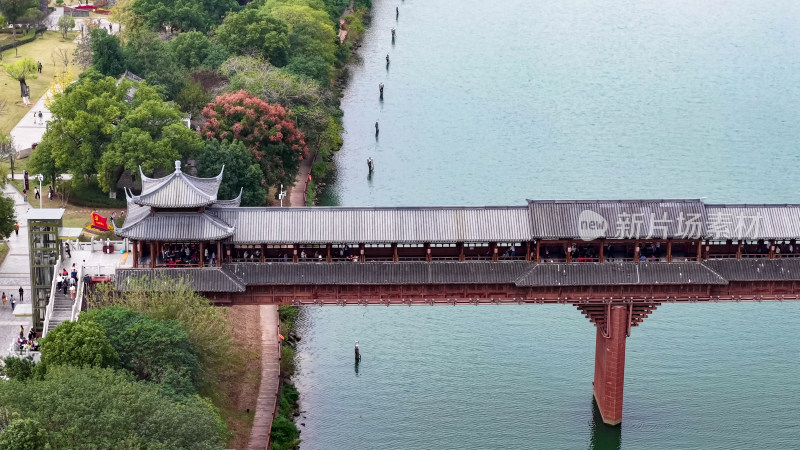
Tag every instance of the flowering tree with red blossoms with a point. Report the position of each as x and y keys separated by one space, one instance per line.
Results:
x=267 y=131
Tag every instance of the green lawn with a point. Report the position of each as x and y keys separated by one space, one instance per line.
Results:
x=3 y=251
x=42 y=49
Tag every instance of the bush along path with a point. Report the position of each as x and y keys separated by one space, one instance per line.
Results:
x=285 y=434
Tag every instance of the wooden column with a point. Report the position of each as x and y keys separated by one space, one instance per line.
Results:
x=568 y=252
x=395 y=256
x=153 y=254
x=493 y=250
x=461 y=256
x=739 y=250
x=428 y=251
x=328 y=248
x=362 y=251
x=771 y=247
x=538 y=254
x=636 y=250
x=202 y=254
x=295 y=253
x=602 y=250
x=669 y=250
x=699 y=251
x=135 y=254
x=219 y=253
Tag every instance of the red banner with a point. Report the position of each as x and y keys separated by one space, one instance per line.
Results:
x=99 y=222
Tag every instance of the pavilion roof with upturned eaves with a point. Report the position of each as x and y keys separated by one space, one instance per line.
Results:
x=155 y=214
x=178 y=190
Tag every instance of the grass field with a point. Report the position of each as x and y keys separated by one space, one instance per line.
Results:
x=42 y=49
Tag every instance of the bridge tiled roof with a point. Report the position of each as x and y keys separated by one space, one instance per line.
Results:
x=759 y=269
x=208 y=279
x=621 y=219
x=737 y=222
x=625 y=273
x=349 y=273
x=323 y=225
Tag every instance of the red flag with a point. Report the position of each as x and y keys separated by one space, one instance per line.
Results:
x=281 y=336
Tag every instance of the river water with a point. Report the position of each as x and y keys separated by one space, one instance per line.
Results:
x=490 y=103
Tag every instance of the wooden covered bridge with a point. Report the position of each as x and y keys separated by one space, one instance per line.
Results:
x=615 y=261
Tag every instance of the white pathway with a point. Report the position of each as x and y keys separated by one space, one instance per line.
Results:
x=15 y=273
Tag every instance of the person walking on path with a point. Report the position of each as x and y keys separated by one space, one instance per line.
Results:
x=25 y=195
x=21 y=292
x=36 y=195
x=72 y=291
x=39 y=66
x=13 y=303
x=4 y=299
x=41 y=120
x=16 y=228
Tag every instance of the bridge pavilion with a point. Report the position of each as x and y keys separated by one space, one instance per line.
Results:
x=616 y=261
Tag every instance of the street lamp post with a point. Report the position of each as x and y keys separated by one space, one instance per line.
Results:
x=40 y=177
x=281 y=195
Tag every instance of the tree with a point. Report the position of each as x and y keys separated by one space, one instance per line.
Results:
x=183 y=15
x=80 y=344
x=17 y=368
x=7 y=217
x=92 y=117
x=264 y=128
x=106 y=53
x=24 y=434
x=65 y=24
x=151 y=136
x=242 y=173
x=254 y=32
x=103 y=408
x=20 y=71
x=193 y=98
x=204 y=322
x=311 y=31
x=193 y=49
x=14 y=10
x=8 y=151
x=149 y=57
x=153 y=350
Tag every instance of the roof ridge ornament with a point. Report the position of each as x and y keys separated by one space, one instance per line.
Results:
x=177 y=165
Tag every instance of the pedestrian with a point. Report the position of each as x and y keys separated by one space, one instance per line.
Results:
x=72 y=293
x=36 y=194
x=4 y=299
x=39 y=66
x=13 y=303
x=20 y=294
x=67 y=249
x=16 y=228
x=50 y=193
x=41 y=118
x=110 y=30
x=26 y=92
x=25 y=195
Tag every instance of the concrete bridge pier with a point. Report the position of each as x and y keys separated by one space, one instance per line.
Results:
x=609 y=364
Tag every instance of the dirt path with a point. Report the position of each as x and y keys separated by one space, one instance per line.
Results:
x=297 y=192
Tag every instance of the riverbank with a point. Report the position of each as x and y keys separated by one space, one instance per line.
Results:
x=316 y=170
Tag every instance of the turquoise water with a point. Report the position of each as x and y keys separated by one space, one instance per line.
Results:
x=496 y=102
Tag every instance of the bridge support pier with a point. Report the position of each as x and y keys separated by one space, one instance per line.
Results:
x=609 y=365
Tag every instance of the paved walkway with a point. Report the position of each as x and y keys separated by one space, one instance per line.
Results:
x=296 y=197
x=15 y=273
x=270 y=374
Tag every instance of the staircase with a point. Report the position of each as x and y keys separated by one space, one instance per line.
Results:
x=62 y=310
